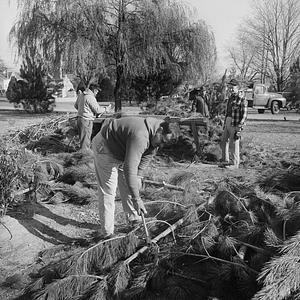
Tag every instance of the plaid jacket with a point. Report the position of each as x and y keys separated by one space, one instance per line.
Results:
x=238 y=107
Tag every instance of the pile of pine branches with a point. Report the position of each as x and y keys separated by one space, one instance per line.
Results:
x=53 y=135
x=185 y=149
x=284 y=180
x=55 y=172
x=237 y=246
x=171 y=106
x=75 y=180
x=61 y=174
x=55 y=178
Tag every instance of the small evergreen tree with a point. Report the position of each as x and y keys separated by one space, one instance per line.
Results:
x=31 y=91
x=295 y=81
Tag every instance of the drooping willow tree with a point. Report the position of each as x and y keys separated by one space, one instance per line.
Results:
x=121 y=38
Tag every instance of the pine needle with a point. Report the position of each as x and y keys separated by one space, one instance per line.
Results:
x=77 y=158
x=99 y=291
x=56 y=253
x=138 y=282
x=283 y=180
x=76 y=268
x=281 y=276
x=226 y=203
x=118 y=278
x=66 y=288
x=82 y=173
x=207 y=238
x=34 y=286
x=53 y=167
x=50 y=144
x=104 y=254
x=75 y=193
x=181 y=178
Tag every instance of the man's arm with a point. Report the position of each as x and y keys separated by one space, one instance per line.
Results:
x=135 y=147
x=94 y=106
x=228 y=102
x=145 y=160
x=244 y=111
x=76 y=102
x=243 y=117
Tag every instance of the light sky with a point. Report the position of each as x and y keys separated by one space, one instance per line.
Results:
x=222 y=16
x=8 y=14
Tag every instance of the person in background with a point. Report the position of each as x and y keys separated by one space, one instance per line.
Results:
x=122 y=150
x=87 y=109
x=235 y=117
x=199 y=104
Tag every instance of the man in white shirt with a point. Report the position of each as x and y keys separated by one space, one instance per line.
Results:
x=87 y=108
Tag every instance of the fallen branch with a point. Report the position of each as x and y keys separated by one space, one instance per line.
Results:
x=165 y=201
x=164 y=222
x=155 y=240
x=101 y=242
x=218 y=259
x=261 y=250
x=163 y=184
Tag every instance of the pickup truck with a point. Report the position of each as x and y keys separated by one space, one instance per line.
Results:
x=261 y=99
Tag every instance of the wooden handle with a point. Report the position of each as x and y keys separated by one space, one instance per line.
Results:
x=148 y=239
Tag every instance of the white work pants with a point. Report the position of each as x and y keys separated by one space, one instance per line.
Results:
x=230 y=147
x=110 y=176
x=85 y=128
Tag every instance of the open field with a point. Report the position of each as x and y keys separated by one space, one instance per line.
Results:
x=274 y=135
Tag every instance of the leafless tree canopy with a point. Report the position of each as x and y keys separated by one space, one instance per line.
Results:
x=268 y=41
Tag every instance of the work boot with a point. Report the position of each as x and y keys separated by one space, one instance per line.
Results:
x=232 y=167
x=223 y=164
x=97 y=236
x=135 y=221
x=139 y=221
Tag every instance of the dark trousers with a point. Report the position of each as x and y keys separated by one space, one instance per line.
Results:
x=85 y=128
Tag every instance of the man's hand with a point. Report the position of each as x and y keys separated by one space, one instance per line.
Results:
x=140 y=182
x=237 y=135
x=139 y=206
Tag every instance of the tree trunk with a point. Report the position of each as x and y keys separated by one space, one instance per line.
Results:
x=120 y=53
x=117 y=90
x=279 y=81
x=57 y=72
x=57 y=69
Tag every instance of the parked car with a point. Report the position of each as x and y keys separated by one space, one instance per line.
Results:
x=261 y=99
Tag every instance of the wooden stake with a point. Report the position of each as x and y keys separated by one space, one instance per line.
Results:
x=148 y=238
